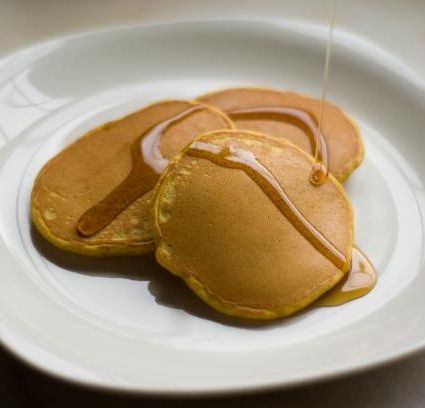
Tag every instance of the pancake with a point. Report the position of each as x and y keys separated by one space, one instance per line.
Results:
x=73 y=185
x=223 y=222
x=341 y=133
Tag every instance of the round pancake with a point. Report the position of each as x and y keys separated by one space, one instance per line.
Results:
x=218 y=230
x=342 y=134
x=87 y=170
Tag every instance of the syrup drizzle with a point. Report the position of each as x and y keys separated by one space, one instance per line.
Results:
x=148 y=164
x=320 y=168
x=361 y=277
x=239 y=158
x=359 y=281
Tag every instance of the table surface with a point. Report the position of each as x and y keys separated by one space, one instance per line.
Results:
x=400 y=30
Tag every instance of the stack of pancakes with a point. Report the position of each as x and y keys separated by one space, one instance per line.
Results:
x=212 y=225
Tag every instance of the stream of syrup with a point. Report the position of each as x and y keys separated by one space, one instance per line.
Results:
x=361 y=277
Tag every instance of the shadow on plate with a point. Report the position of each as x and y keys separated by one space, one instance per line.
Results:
x=168 y=290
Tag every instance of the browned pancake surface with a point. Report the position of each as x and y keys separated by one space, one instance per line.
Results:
x=215 y=228
x=87 y=170
x=341 y=133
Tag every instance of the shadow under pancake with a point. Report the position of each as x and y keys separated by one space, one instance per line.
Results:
x=168 y=290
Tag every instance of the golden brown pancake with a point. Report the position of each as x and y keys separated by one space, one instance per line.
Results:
x=222 y=224
x=84 y=173
x=341 y=133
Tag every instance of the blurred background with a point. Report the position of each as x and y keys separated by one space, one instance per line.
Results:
x=390 y=24
x=384 y=22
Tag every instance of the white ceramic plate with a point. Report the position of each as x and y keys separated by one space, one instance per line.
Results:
x=125 y=323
